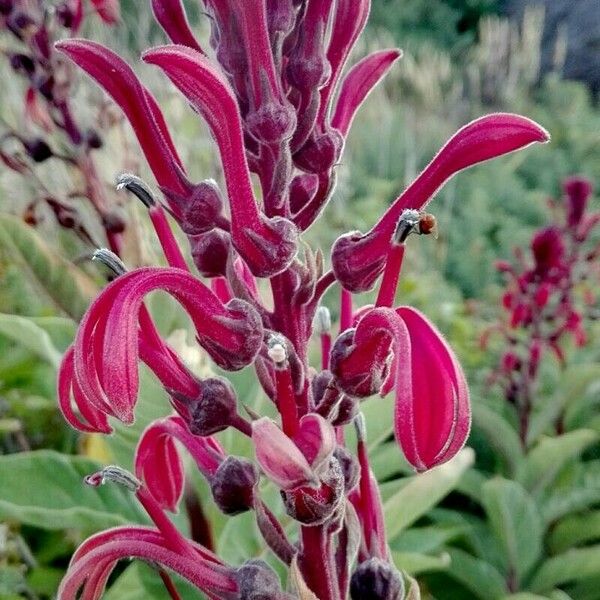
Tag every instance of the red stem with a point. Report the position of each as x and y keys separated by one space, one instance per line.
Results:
x=317 y=563
x=366 y=497
x=345 y=310
x=325 y=350
x=167 y=239
x=286 y=400
x=389 y=282
x=169 y=585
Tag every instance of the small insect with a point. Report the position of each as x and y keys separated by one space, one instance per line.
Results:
x=427 y=225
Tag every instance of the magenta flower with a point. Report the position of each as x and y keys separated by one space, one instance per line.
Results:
x=279 y=106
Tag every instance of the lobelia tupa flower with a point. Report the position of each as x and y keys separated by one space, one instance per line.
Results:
x=278 y=105
x=548 y=298
x=49 y=130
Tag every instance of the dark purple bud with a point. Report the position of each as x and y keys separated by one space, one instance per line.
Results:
x=114 y=221
x=350 y=467
x=22 y=63
x=210 y=251
x=257 y=581
x=233 y=485
x=37 y=149
x=93 y=139
x=319 y=384
x=65 y=15
x=320 y=152
x=6 y=6
x=212 y=411
x=302 y=190
x=18 y=21
x=201 y=208
x=313 y=506
x=346 y=409
x=375 y=579
x=45 y=86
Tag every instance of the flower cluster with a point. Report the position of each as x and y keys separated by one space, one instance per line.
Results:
x=548 y=297
x=275 y=95
x=49 y=129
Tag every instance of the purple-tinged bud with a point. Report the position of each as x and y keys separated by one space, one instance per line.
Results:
x=21 y=63
x=313 y=506
x=45 y=86
x=65 y=15
x=38 y=149
x=18 y=21
x=360 y=357
x=577 y=191
x=376 y=579
x=347 y=408
x=350 y=467
x=302 y=190
x=210 y=252
x=201 y=208
x=271 y=122
x=210 y=412
x=233 y=485
x=115 y=220
x=257 y=581
x=548 y=249
x=319 y=384
x=6 y=6
x=320 y=152
x=93 y=139
x=279 y=457
x=280 y=17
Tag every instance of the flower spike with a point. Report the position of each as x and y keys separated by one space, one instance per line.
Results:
x=358 y=259
x=267 y=245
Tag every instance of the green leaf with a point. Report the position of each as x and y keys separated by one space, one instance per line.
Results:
x=574 y=530
x=26 y=333
x=426 y=539
x=516 y=523
x=67 y=286
x=478 y=576
x=573 y=565
x=46 y=489
x=500 y=434
x=424 y=491
x=524 y=596
x=550 y=455
x=579 y=493
x=414 y=563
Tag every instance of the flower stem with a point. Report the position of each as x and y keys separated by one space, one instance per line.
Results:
x=286 y=400
x=345 y=310
x=317 y=563
x=389 y=282
x=167 y=239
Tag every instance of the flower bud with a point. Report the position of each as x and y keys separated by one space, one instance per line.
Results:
x=313 y=506
x=320 y=152
x=114 y=221
x=350 y=467
x=257 y=581
x=375 y=579
x=233 y=485
x=6 y=6
x=38 y=149
x=272 y=122
x=347 y=409
x=210 y=251
x=212 y=411
x=21 y=63
x=201 y=208
x=360 y=357
x=93 y=139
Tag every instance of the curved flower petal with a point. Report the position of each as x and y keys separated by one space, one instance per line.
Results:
x=170 y=15
x=138 y=104
x=432 y=411
x=358 y=259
